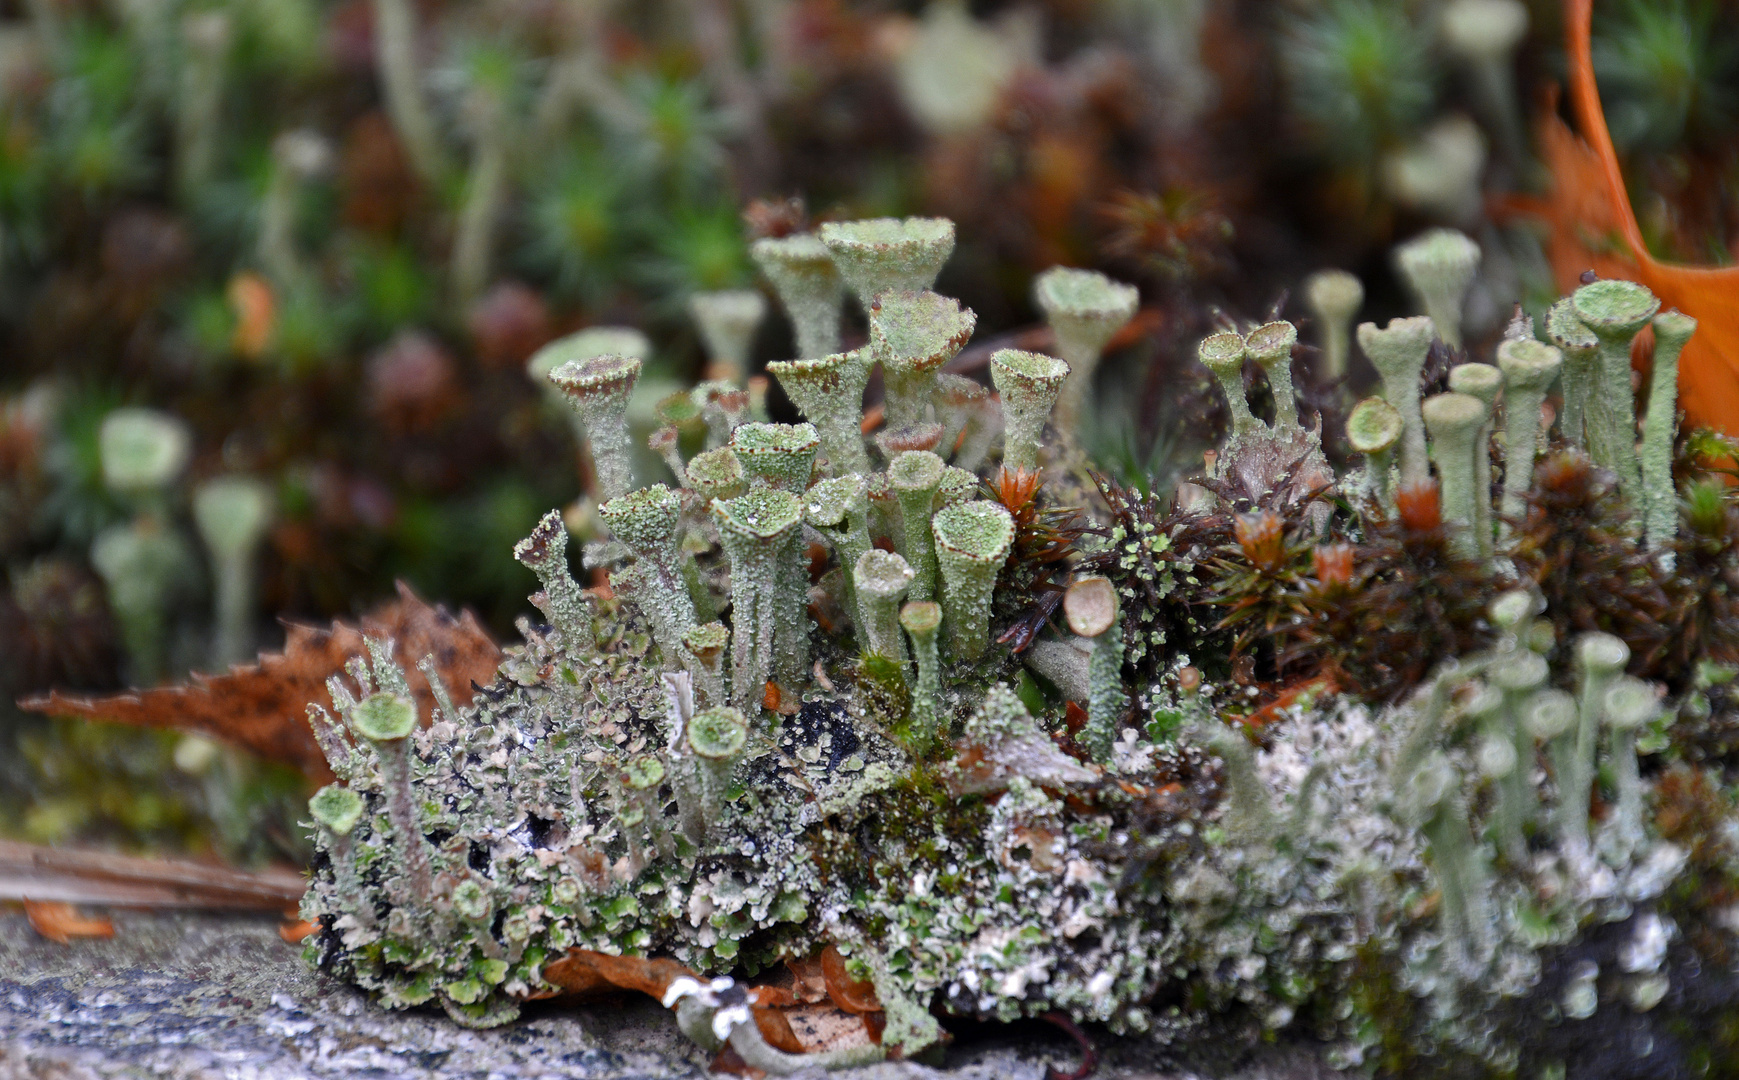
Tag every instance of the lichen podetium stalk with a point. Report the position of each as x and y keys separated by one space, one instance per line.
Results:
x=1516 y=680
x=337 y=810
x=646 y=522
x=1373 y=428
x=1483 y=382
x=1398 y=352
x=809 y=288
x=838 y=508
x=232 y=513
x=1223 y=354
x=1615 y=311
x=759 y=531
x=914 y=475
x=1581 y=349
x=485 y=189
x=1439 y=266
x=1602 y=659
x=1629 y=704
x=597 y=388
x=395 y=52
x=922 y=620
x=386 y=721
x=1270 y=345
x=1334 y=297
x=1029 y=384
x=545 y=553
x=1672 y=329
x=1455 y=421
x=1528 y=367
x=882 y=578
x=829 y=390
x=1085 y=310
x=1092 y=610
x=912 y=334
x=727 y=320
x=972 y=541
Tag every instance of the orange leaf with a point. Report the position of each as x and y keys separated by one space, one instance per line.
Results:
x=256 y=313
x=852 y=995
x=295 y=931
x=582 y=971
x=59 y=921
x=1586 y=235
x=263 y=706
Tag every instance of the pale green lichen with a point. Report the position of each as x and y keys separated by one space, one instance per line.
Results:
x=1614 y=312
x=1529 y=369
x=888 y=254
x=727 y=320
x=809 y=287
x=829 y=390
x=972 y=540
x=1085 y=309
x=1455 y=421
x=1482 y=381
x=1374 y=427
x=781 y=456
x=1672 y=331
x=597 y=388
x=760 y=535
x=881 y=579
x=1029 y=384
x=912 y=334
x=1438 y=267
x=914 y=476
x=1398 y=353
x=1334 y=297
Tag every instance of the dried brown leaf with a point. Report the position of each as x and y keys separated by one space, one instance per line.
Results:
x=59 y=921
x=263 y=706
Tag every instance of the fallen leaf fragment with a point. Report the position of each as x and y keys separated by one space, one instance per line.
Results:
x=98 y=877
x=295 y=932
x=852 y=995
x=263 y=706
x=59 y=921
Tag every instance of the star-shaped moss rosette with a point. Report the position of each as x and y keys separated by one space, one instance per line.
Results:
x=912 y=334
x=1085 y=310
x=880 y=255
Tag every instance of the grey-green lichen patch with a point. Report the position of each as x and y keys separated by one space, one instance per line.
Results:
x=782 y=455
x=879 y=254
x=912 y=334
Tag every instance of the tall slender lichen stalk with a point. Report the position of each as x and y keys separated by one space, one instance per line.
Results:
x=1628 y=705
x=1528 y=367
x=486 y=119
x=780 y=456
x=1516 y=679
x=597 y=389
x=337 y=810
x=1602 y=658
x=1373 y=428
x=1550 y=716
x=545 y=553
x=297 y=157
x=877 y=255
x=646 y=522
x=207 y=36
x=727 y=320
x=838 y=508
x=1483 y=382
x=912 y=334
x=1270 y=345
x=760 y=532
x=232 y=514
x=1439 y=266
x=809 y=288
x=385 y=721
x=395 y=54
x=829 y=390
x=1434 y=799
x=1672 y=329
x=914 y=476
x=1223 y=354
x=1092 y=610
x=882 y=578
x=1334 y=297
x=922 y=621
x=1398 y=352
x=972 y=542
x=1085 y=309
x=1455 y=421
x=1249 y=815
x=1029 y=384
x=1581 y=350
x=1485 y=34
x=1615 y=311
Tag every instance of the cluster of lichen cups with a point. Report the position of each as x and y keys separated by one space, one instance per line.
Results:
x=640 y=698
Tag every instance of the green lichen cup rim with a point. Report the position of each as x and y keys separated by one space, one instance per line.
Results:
x=384 y=717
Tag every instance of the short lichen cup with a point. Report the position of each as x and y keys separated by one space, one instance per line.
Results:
x=727 y=320
x=922 y=622
x=829 y=390
x=598 y=389
x=1085 y=310
x=781 y=456
x=1398 y=352
x=232 y=514
x=1223 y=354
x=1091 y=607
x=972 y=542
x=881 y=254
x=337 y=811
x=717 y=474
x=706 y=643
x=912 y=334
x=545 y=553
x=142 y=451
x=809 y=288
x=646 y=523
x=1614 y=312
x=1029 y=384
x=1439 y=266
x=1270 y=345
x=715 y=738
x=1581 y=351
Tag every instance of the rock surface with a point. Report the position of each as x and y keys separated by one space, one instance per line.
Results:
x=204 y=997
